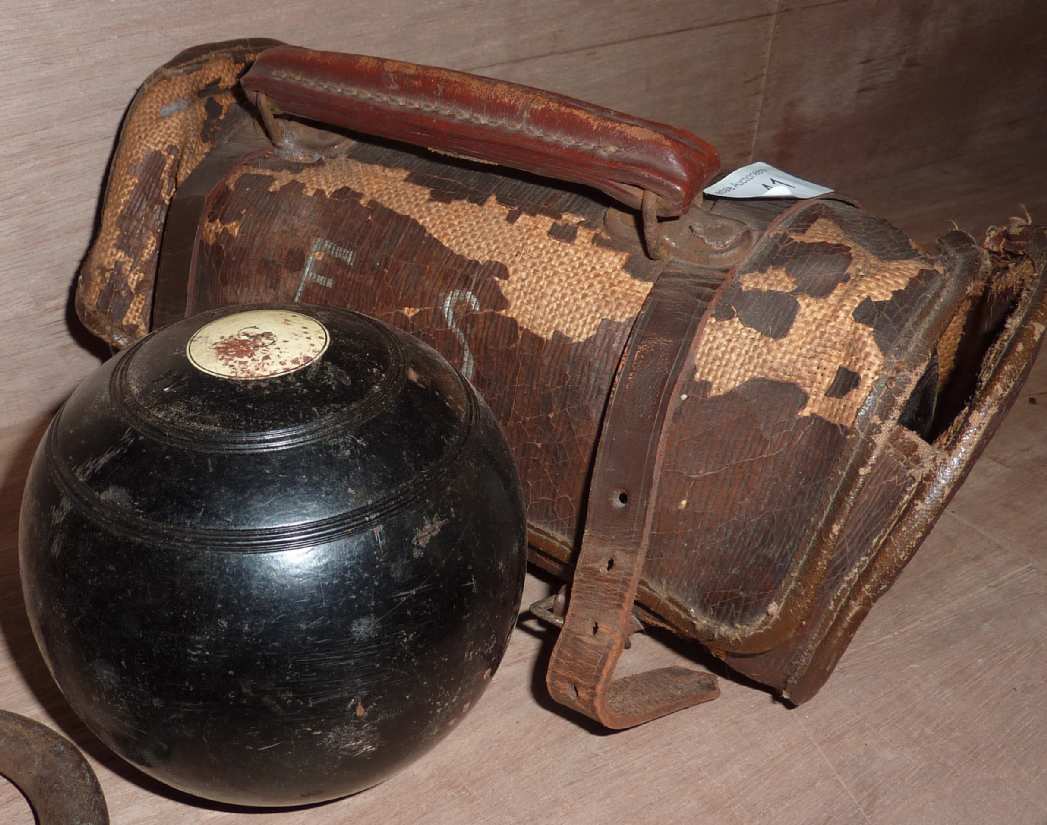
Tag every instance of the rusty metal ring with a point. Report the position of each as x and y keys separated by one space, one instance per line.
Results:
x=51 y=773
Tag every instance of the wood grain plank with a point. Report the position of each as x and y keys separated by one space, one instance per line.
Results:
x=926 y=112
x=1000 y=499
x=14 y=808
x=457 y=33
x=912 y=737
x=982 y=187
x=1020 y=444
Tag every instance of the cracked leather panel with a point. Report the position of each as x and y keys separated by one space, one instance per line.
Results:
x=786 y=377
x=176 y=118
x=1003 y=314
x=471 y=263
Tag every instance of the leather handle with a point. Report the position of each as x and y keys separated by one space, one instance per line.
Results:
x=488 y=120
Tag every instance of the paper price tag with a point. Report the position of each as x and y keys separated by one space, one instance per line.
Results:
x=761 y=180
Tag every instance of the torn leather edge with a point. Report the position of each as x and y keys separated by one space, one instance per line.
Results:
x=1004 y=369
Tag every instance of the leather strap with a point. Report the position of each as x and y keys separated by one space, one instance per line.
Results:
x=617 y=526
x=176 y=264
x=487 y=120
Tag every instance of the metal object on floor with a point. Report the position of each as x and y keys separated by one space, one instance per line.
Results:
x=51 y=773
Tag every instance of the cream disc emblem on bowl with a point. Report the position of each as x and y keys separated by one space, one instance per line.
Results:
x=257 y=343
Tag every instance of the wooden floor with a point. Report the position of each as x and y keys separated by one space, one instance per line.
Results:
x=935 y=715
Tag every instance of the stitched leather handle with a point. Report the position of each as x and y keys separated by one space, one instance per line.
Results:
x=488 y=120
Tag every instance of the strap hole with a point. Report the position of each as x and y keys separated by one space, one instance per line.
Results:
x=619 y=499
x=596 y=628
x=610 y=565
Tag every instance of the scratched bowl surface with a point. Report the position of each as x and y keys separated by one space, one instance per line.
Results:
x=273 y=554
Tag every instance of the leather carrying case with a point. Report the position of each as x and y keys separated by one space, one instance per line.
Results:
x=734 y=419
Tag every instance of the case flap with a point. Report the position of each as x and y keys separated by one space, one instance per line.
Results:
x=802 y=368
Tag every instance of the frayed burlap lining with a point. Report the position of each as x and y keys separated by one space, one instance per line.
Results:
x=823 y=337
x=552 y=286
